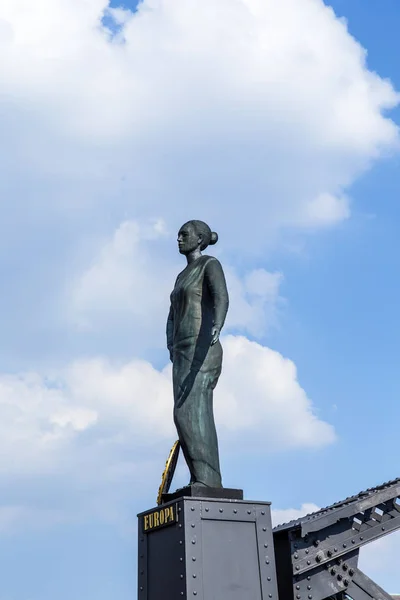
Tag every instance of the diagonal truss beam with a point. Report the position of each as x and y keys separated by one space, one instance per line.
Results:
x=320 y=551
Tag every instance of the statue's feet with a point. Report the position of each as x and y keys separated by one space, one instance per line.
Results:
x=198 y=484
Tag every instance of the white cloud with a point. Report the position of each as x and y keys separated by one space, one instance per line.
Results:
x=85 y=432
x=326 y=209
x=128 y=282
x=94 y=411
x=380 y=561
x=259 y=394
x=254 y=301
x=255 y=114
x=281 y=516
x=130 y=278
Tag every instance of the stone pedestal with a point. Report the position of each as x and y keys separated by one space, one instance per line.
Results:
x=206 y=549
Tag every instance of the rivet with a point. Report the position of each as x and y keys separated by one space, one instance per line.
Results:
x=235 y=511
x=193 y=525
x=308 y=578
x=296 y=555
x=309 y=562
x=335 y=549
x=329 y=553
x=340 y=577
x=263 y=512
x=264 y=529
x=298 y=596
x=194 y=593
x=346 y=582
x=194 y=575
x=297 y=587
x=192 y=509
x=207 y=509
x=361 y=537
x=193 y=541
x=344 y=545
x=354 y=541
x=309 y=596
x=265 y=545
x=351 y=571
x=221 y=510
x=181 y=542
x=194 y=559
x=297 y=568
x=309 y=587
x=249 y=512
x=383 y=528
x=181 y=559
x=345 y=566
x=307 y=551
x=141 y=589
x=269 y=595
x=268 y=578
x=267 y=562
x=181 y=576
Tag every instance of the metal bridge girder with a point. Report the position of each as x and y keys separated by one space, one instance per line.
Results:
x=319 y=552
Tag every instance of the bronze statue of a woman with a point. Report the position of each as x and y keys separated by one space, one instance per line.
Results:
x=199 y=304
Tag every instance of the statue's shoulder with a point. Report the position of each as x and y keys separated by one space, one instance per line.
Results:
x=212 y=265
x=210 y=261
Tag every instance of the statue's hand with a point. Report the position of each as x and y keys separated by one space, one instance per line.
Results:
x=214 y=335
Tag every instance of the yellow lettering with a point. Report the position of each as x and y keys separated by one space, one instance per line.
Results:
x=159 y=518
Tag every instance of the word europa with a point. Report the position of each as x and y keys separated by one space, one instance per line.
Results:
x=159 y=518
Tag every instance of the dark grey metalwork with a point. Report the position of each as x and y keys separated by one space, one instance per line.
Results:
x=199 y=304
x=217 y=550
x=317 y=555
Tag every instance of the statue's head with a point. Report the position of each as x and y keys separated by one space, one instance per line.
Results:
x=195 y=235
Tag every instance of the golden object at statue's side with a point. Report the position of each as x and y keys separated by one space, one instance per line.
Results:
x=169 y=471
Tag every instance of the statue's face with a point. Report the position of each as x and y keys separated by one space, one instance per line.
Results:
x=188 y=239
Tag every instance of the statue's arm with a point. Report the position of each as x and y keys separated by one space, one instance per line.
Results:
x=170 y=331
x=219 y=294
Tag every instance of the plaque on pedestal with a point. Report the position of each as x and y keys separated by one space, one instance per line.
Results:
x=208 y=549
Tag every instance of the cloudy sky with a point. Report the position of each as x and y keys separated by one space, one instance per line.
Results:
x=276 y=121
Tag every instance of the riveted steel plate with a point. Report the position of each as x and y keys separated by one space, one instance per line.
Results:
x=216 y=550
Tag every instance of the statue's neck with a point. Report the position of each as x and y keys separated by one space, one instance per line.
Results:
x=192 y=256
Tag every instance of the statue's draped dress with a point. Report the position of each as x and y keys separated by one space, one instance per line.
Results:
x=199 y=301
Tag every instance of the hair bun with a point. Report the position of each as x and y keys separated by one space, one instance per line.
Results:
x=214 y=238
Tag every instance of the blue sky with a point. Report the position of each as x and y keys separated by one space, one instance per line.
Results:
x=283 y=143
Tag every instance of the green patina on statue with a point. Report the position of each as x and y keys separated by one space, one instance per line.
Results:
x=199 y=304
